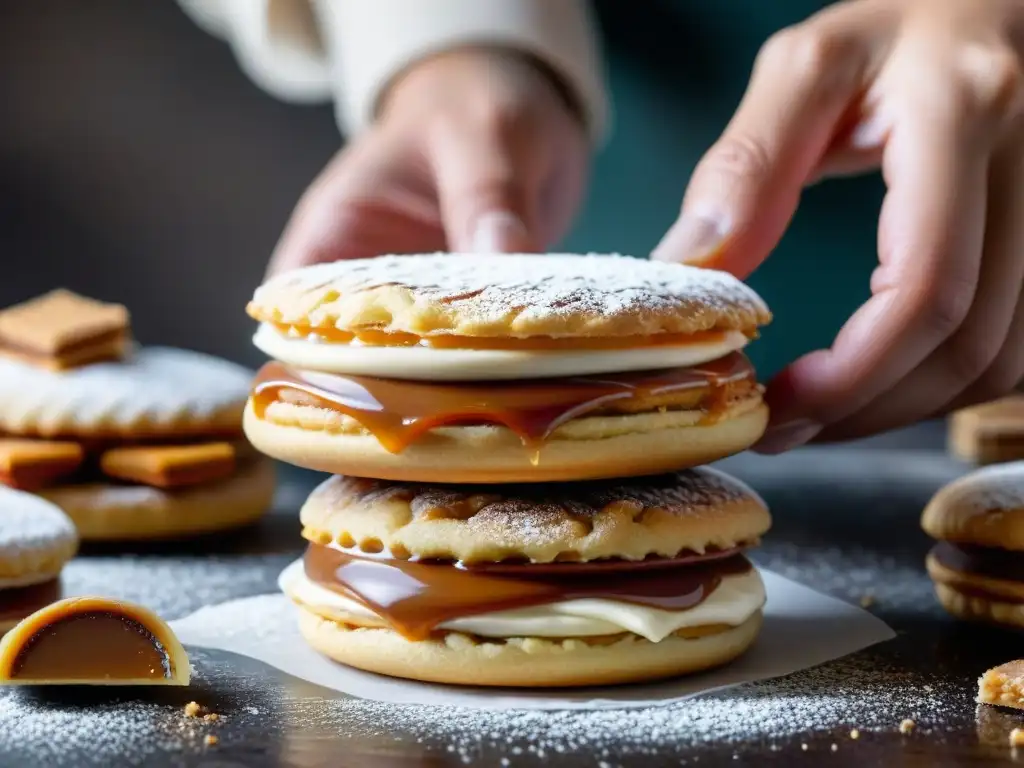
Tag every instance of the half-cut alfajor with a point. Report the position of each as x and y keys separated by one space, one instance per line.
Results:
x=495 y=369
x=533 y=585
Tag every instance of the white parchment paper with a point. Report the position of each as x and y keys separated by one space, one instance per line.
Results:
x=802 y=629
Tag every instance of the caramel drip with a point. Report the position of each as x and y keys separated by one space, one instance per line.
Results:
x=18 y=602
x=398 y=412
x=95 y=645
x=413 y=598
x=376 y=338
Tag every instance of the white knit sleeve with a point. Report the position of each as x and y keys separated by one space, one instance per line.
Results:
x=349 y=51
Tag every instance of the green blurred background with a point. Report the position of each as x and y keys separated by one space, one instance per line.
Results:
x=138 y=164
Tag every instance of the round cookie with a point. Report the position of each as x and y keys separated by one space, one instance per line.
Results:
x=524 y=368
x=114 y=512
x=589 y=544
x=154 y=393
x=978 y=563
x=475 y=316
x=36 y=539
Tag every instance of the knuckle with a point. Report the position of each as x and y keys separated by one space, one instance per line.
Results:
x=736 y=156
x=990 y=80
x=803 y=50
x=971 y=355
x=945 y=305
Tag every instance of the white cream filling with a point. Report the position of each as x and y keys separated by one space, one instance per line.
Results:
x=736 y=599
x=425 y=363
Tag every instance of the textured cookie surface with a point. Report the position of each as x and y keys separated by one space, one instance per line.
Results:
x=984 y=507
x=632 y=519
x=109 y=512
x=36 y=539
x=157 y=392
x=509 y=295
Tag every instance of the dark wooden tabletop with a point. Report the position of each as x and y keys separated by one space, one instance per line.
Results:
x=846 y=523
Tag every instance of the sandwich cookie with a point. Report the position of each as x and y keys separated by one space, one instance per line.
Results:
x=552 y=585
x=147 y=445
x=496 y=369
x=978 y=563
x=36 y=539
x=989 y=433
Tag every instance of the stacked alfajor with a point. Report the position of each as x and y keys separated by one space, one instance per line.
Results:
x=512 y=441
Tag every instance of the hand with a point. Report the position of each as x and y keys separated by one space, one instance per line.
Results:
x=474 y=150
x=931 y=91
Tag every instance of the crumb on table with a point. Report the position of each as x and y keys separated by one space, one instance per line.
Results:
x=192 y=709
x=854 y=734
x=907 y=726
x=209 y=739
x=211 y=717
x=1017 y=737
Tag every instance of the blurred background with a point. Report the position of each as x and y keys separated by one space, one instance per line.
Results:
x=138 y=164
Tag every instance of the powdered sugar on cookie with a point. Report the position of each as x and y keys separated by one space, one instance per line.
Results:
x=157 y=391
x=36 y=538
x=510 y=295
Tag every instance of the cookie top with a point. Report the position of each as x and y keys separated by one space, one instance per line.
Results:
x=984 y=507
x=502 y=296
x=157 y=392
x=36 y=539
x=663 y=516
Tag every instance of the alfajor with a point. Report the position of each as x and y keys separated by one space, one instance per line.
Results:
x=497 y=369
x=132 y=442
x=978 y=563
x=567 y=584
x=989 y=433
x=36 y=540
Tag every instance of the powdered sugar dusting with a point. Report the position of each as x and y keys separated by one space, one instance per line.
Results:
x=490 y=288
x=997 y=488
x=32 y=530
x=157 y=387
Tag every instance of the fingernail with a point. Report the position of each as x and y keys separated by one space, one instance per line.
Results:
x=694 y=239
x=785 y=437
x=499 y=232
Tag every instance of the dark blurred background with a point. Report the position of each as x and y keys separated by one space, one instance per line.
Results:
x=138 y=164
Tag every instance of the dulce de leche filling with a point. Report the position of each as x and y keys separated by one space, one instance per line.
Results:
x=980 y=561
x=375 y=338
x=413 y=598
x=397 y=412
x=93 y=645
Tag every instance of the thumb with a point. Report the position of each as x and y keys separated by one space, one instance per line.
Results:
x=486 y=191
x=745 y=190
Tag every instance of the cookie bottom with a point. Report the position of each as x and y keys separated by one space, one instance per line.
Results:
x=973 y=597
x=583 y=449
x=107 y=512
x=460 y=659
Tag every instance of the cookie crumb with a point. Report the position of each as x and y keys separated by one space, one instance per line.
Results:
x=854 y=734
x=192 y=709
x=803 y=746
x=211 y=717
x=1017 y=737
x=907 y=726
x=835 y=747
x=209 y=740
x=866 y=601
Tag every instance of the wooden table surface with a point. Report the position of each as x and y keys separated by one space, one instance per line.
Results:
x=846 y=523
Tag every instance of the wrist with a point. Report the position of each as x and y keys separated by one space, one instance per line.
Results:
x=498 y=72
